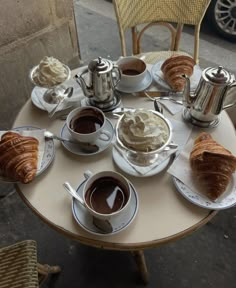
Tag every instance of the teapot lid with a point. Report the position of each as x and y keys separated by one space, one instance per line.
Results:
x=218 y=75
x=103 y=65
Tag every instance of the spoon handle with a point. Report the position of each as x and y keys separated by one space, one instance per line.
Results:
x=63 y=139
x=72 y=192
x=67 y=94
x=51 y=113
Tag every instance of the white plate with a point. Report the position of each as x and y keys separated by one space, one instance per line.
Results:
x=227 y=200
x=147 y=81
x=73 y=148
x=159 y=78
x=85 y=219
x=38 y=100
x=48 y=156
x=124 y=166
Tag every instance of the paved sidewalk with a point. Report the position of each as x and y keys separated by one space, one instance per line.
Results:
x=205 y=259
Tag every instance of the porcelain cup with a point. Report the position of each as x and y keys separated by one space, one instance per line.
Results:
x=133 y=71
x=86 y=124
x=106 y=195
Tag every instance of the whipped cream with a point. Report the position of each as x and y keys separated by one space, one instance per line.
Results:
x=142 y=130
x=50 y=72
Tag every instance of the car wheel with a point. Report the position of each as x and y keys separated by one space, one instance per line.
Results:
x=222 y=15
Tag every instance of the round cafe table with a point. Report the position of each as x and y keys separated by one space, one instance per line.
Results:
x=163 y=215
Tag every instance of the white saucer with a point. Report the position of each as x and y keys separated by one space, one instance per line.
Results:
x=124 y=166
x=38 y=100
x=227 y=200
x=48 y=155
x=73 y=148
x=159 y=78
x=85 y=219
x=147 y=81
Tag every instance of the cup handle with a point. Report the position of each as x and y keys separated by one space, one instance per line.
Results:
x=117 y=77
x=105 y=135
x=87 y=174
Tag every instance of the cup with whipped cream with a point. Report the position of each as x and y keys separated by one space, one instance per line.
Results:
x=50 y=73
x=143 y=134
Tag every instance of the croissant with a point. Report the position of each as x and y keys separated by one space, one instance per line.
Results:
x=212 y=164
x=18 y=157
x=174 y=67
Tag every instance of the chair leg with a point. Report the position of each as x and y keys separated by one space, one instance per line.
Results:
x=45 y=270
x=141 y=264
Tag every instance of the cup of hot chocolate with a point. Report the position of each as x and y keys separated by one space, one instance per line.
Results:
x=133 y=71
x=86 y=124
x=106 y=195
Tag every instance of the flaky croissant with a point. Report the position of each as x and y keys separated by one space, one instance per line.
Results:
x=174 y=67
x=212 y=164
x=18 y=157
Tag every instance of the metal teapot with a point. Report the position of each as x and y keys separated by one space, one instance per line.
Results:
x=101 y=76
x=215 y=92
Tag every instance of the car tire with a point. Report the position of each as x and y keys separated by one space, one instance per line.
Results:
x=221 y=13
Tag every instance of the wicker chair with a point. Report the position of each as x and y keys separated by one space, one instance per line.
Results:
x=19 y=267
x=133 y=13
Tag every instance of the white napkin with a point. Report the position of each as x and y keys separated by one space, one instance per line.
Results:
x=38 y=134
x=68 y=102
x=181 y=133
x=172 y=107
x=181 y=169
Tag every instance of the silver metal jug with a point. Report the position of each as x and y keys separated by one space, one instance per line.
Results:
x=98 y=81
x=215 y=92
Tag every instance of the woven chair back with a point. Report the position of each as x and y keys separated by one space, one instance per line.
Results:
x=131 y=13
x=135 y=12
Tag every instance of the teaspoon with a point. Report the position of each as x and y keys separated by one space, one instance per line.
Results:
x=103 y=225
x=67 y=94
x=163 y=98
x=87 y=147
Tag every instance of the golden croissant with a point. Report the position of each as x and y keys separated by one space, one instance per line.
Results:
x=212 y=164
x=174 y=67
x=18 y=157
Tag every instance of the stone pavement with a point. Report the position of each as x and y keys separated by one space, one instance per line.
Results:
x=205 y=259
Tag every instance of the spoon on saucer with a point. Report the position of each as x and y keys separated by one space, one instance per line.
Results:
x=67 y=94
x=87 y=147
x=103 y=225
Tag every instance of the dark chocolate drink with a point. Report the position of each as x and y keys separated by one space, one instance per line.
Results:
x=87 y=121
x=131 y=72
x=106 y=195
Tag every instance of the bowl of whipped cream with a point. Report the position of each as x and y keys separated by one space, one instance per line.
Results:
x=143 y=134
x=49 y=73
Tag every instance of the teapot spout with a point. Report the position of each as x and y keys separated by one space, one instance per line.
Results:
x=86 y=89
x=187 y=99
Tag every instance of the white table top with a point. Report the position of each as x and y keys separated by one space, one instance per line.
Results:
x=164 y=215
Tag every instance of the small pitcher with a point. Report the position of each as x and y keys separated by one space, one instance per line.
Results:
x=99 y=80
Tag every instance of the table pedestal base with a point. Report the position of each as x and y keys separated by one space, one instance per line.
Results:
x=141 y=264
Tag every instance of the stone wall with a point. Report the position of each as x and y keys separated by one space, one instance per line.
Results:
x=29 y=30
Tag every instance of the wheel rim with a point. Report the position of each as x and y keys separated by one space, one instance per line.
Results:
x=225 y=15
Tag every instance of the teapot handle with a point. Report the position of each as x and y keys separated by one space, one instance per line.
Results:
x=230 y=92
x=117 y=72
